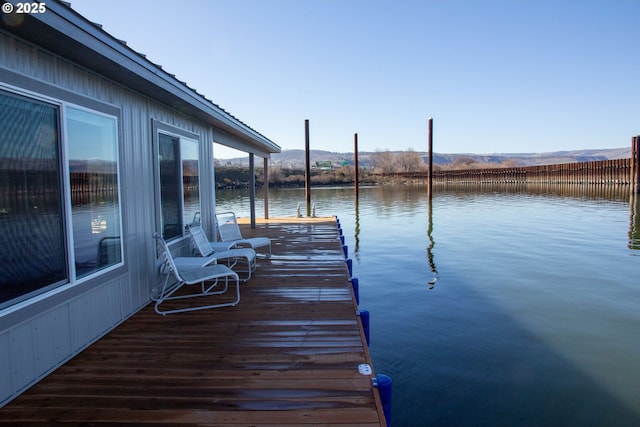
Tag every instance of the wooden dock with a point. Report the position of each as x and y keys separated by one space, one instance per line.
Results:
x=288 y=354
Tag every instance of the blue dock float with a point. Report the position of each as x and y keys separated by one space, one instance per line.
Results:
x=384 y=384
x=349 y=263
x=364 y=318
x=381 y=381
x=355 y=284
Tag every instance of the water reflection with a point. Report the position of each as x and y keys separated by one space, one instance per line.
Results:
x=432 y=243
x=357 y=227
x=387 y=203
x=606 y=192
x=634 y=222
x=615 y=193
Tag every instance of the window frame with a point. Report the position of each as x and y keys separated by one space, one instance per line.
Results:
x=60 y=164
x=159 y=128
x=70 y=237
x=38 y=91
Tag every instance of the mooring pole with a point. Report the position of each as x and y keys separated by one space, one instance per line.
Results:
x=632 y=165
x=307 y=165
x=430 y=173
x=635 y=164
x=355 y=165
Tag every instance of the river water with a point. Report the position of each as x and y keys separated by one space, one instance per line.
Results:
x=494 y=306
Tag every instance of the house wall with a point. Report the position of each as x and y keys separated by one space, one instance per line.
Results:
x=41 y=335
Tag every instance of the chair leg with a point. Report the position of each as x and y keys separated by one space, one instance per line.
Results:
x=251 y=265
x=206 y=292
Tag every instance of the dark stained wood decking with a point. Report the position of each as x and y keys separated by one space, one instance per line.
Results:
x=288 y=354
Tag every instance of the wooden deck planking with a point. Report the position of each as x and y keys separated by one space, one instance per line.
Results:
x=287 y=354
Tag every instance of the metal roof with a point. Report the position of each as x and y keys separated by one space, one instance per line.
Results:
x=65 y=32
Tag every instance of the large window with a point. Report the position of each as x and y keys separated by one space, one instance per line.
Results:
x=59 y=197
x=93 y=170
x=179 y=183
x=32 y=242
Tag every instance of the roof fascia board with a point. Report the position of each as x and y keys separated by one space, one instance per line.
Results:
x=228 y=140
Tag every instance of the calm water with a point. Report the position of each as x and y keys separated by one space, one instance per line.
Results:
x=494 y=308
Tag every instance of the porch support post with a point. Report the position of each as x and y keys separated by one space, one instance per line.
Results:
x=252 y=190
x=307 y=165
x=265 y=187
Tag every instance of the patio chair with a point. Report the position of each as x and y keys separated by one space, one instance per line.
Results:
x=230 y=232
x=217 y=246
x=232 y=256
x=193 y=274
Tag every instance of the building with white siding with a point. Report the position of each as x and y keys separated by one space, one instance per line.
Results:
x=99 y=149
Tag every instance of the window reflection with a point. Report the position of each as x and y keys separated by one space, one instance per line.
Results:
x=93 y=171
x=171 y=215
x=179 y=183
x=190 y=179
x=32 y=247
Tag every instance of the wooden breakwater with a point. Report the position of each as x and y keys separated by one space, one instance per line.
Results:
x=602 y=172
x=594 y=172
x=597 y=172
x=616 y=171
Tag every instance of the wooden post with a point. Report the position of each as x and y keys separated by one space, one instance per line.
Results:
x=632 y=165
x=430 y=173
x=636 y=161
x=266 y=187
x=252 y=190
x=635 y=164
x=307 y=172
x=355 y=164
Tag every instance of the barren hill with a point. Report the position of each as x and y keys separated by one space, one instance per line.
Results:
x=295 y=158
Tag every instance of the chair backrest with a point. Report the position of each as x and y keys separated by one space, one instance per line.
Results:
x=168 y=258
x=200 y=240
x=228 y=227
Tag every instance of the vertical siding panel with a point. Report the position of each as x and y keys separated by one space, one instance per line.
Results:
x=22 y=355
x=61 y=337
x=108 y=299
x=94 y=314
x=43 y=342
x=102 y=313
x=78 y=327
x=6 y=379
x=5 y=47
x=139 y=215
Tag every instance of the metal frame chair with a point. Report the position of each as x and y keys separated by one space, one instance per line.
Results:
x=232 y=256
x=229 y=231
x=190 y=274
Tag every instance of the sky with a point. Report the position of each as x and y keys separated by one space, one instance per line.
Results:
x=496 y=76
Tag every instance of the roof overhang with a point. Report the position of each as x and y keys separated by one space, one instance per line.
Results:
x=66 y=33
